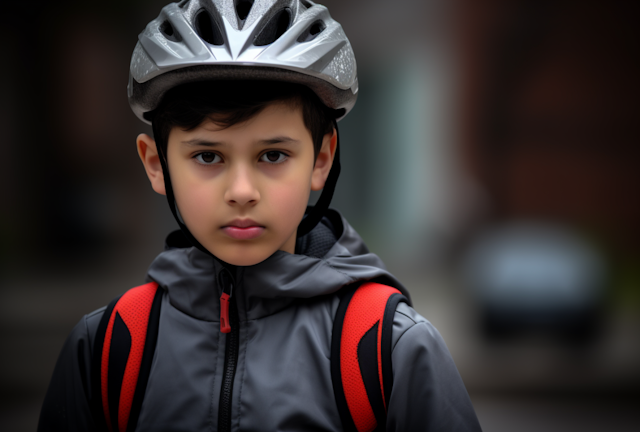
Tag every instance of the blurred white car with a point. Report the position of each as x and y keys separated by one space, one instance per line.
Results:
x=532 y=276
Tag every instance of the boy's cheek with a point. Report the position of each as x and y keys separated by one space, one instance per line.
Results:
x=195 y=203
x=291 y=199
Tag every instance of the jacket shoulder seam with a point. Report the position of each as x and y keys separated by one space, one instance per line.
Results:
x=95 y=312
x=86 y=329
x=85 y=319
x=405 y=332
x=402 y=313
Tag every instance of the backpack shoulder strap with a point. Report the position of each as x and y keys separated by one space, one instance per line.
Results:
x=122 y=355
x=361 y=355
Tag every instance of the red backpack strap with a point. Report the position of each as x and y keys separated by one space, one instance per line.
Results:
x=361 y=355
x=122 y=355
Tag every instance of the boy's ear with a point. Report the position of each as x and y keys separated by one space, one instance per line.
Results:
x=148 y=153
x=324 y=161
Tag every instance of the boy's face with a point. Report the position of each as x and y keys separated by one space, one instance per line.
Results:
x=243 y=190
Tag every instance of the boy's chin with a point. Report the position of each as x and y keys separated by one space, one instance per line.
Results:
x=243 y=262
x=244 y=259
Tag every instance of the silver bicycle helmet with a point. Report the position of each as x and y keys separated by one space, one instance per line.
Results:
x=285 y=40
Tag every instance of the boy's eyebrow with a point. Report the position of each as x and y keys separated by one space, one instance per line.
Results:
x=202 y=142
x=206 y=143
x=279 y=140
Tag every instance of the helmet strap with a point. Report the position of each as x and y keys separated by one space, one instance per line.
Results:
x=315 y=213
x=172 y=200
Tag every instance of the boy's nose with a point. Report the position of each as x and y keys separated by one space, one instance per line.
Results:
x=241 y=189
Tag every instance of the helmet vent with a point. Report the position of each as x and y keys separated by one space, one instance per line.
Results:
x=243 y=7
x=277 y=25
x=312 y=31
x=167 y=30
x=183 y=3
x=306 y=4
x=207 y=28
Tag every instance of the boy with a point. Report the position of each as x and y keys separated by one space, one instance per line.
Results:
x=243 y=98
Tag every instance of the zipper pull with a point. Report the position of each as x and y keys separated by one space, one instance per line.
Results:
x=225 y=325
x=225 y=298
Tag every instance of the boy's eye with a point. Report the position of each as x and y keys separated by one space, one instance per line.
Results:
x=207 y=158
x=273 y=157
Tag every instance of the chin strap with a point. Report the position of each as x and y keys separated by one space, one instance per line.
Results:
x=313 y=215
x=171 y=198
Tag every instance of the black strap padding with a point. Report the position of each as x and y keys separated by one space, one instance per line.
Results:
x=96 y=368
x=118 y=356
x=336 y=375
x=387 y=336
x=368 y=362
x=147 y=358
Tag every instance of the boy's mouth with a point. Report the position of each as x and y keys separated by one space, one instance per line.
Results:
x=243 y=229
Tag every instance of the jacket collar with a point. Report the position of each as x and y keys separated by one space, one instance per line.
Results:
x=191 y=277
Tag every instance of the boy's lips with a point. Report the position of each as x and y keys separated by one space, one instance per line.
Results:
x=243 y=229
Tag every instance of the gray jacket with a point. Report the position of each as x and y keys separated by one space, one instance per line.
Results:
x=281 y=380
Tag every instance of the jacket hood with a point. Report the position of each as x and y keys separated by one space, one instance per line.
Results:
x=330 y=256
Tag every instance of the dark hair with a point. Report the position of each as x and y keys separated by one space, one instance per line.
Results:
x=227 y=103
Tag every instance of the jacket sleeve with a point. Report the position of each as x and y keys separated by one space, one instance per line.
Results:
x=66 y=404
x=428 y=393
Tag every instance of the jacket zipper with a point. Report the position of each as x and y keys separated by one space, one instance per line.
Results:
x=228 y=313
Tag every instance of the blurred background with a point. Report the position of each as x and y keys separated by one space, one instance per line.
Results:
x=492 y=161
